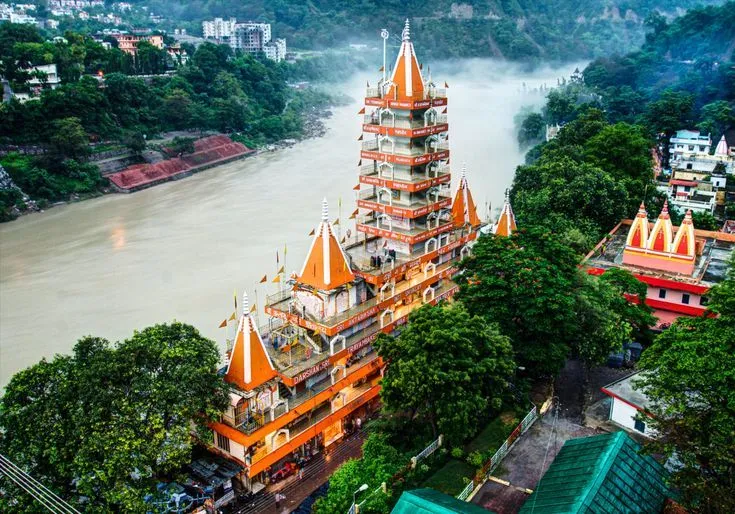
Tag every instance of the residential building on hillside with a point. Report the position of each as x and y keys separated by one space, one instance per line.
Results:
x=689 y=142
x=219 y=29
x=694 y=195
x=629 y=405
x=42 y=77
x=677 y=264
x=302 y=379
x=128 y=43
x=253 y=37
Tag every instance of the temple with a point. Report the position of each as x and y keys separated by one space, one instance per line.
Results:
x=678 y=264
x=300 y=382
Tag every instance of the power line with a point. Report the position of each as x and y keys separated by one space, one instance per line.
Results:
x=35 y=488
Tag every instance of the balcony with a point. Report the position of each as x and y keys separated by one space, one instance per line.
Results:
x=406 y=150
x=402 y=123
x=404 y=174
x=430 y=93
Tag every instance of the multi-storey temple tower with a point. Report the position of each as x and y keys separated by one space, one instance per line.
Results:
x=299 y=382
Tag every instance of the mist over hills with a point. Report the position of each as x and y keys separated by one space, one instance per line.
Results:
x=512 y=29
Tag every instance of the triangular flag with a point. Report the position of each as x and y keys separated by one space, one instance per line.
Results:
x=356 y=188
x=446 y=85
x=313 y=231
x=361 y=111
x=277 y=259
x=360 y=138
x=232 y=318
x=356 y=212
x=382 y=68
x=367 y=83
x=385 y=244
x=264 y=279
x=281 y=270
x=253 y=308
x=343 y=240
x=336 y=222
x=285 y=250
x=421 y=66
x=444 y=111
x=277 y=279
x=235 y=296
x=359 y=162
x=223 y=324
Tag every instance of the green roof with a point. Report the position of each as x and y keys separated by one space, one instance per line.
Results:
x=428 y=501
x=602 y=473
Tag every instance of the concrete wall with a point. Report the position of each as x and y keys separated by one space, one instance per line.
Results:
x=624 y=415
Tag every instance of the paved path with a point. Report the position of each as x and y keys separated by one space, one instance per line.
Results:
x=316 y=473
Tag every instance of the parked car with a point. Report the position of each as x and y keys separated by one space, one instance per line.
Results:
x=284 y=471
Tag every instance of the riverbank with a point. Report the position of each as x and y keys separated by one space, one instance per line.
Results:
x=314 y=127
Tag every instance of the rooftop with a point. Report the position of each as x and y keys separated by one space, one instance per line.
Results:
x=428 y=501
x=626 y=390
x=602 y=473
x=709 y=269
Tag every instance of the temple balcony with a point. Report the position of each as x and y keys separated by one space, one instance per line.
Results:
x=404 y=174
x=430 y=93
x=416 y=233
x=403 y=123
x=405 y=150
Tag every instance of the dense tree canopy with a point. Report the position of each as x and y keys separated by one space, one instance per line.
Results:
x=688 y=374
x=446 y=368
x=101 y=426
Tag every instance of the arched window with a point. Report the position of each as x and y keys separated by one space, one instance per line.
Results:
x=429 y=294
x=336 y=340
x=334 y=372
x=389 y=313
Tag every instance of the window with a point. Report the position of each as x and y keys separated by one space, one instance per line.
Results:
x=702 y=300
x=640 y=426
x=689 y=166
x=687 y=188
x=662 y=293
x=691 y=148
x=685 y=299
x=701 y=148
x=223 y=443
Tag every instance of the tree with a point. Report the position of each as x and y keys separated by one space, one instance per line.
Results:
x=688 y=376
x=446 y=368
x=69 y=138
x=716 y=117
x=634 y=311
x=136 y=143
x=101 y=426
x=532 y=129
x=674 y=110
x=379 y=462
x=705 y=221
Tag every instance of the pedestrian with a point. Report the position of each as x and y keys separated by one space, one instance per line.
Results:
x=279 y=498
x=358 y=422
x=301 y=472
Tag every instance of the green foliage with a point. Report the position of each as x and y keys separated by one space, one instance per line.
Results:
x=688 y=375
x=705 y=221
x=181 y=145
x=68 y=138
x=379 y=462
x=447 y=368
x=532 y=129
x=101 y=426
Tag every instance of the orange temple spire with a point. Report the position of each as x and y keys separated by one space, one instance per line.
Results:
x=506 y=223
x=464 y=211
x=249 y=365
x=638 y=233
x=326 y=266
x=662 y=233
x=684 y=243
x=407 y=82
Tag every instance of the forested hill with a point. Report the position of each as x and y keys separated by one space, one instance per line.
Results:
x=512 y=29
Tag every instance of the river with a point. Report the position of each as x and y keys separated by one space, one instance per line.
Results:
x=109 y=265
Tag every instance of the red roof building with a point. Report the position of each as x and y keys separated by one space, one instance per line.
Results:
x=678 y=264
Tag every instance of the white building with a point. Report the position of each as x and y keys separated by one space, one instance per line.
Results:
x=22 y=18
x=689 y=142
x=253 y=37
x=219 y=28
x=628 y=405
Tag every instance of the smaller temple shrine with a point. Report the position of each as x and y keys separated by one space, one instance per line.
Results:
x=678 y=264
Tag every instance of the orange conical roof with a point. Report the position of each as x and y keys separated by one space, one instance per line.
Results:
x=684 y=243
x=407 y=82
x=506 y=223
x=250 y=365
x=638 y=233
x=662 y=232
x=463 y=209
x=326 y=267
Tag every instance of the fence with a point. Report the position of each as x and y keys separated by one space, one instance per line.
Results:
x=426 y=452
x=500 y=454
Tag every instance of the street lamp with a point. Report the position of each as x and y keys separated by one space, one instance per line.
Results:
x=353 y=509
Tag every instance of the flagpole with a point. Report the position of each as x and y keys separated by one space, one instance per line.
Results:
x=384 y=34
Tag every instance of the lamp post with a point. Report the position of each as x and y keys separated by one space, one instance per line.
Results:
x=353 y=509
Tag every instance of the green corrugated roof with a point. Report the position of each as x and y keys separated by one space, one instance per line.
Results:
x=603 y=473
x=428 y=501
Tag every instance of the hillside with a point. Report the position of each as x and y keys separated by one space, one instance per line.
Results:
x=512 y=29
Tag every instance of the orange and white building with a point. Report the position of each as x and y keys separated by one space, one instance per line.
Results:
x=677 y=264
x=302 y=378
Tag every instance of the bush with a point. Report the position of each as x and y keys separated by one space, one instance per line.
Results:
x=457 y=453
